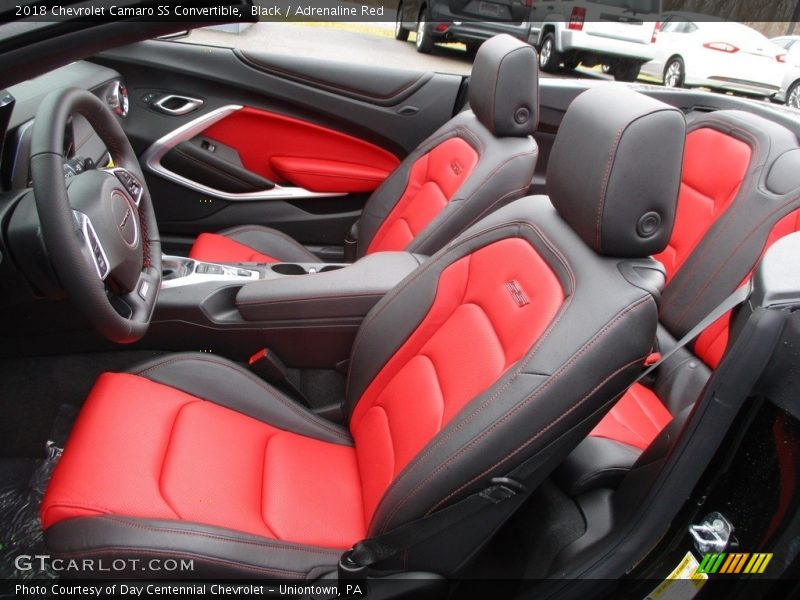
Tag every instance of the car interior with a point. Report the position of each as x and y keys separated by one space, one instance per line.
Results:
x=295 y=318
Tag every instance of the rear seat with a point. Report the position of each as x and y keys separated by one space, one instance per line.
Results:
x=738 y=196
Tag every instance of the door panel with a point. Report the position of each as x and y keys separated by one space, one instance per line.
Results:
x=297 y=143
x=284 y=149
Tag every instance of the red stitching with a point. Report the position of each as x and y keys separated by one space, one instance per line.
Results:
x=604 y=184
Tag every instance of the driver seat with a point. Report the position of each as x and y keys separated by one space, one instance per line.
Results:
x=500 y=353
x=476 y=162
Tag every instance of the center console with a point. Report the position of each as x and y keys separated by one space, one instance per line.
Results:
x=307 y=313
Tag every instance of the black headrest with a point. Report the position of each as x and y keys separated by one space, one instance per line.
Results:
x=614 y=170
x=504 y=87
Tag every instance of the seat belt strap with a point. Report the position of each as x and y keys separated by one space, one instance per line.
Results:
x=735 y=299
x=354 y=562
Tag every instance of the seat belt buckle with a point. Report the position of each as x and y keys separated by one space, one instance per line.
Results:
x=349 y=569
x=268 y=366
x=502 y=488
x=652 y=359
x=351 y=577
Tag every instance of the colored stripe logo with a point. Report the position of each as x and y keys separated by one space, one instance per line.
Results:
x=731 y=563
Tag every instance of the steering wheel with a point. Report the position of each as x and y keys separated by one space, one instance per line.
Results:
x=99 y=226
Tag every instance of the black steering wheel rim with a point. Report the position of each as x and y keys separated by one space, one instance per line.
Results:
x=123 y=315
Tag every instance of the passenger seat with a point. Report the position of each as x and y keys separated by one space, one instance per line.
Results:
x=478 y=161
x=738 y=196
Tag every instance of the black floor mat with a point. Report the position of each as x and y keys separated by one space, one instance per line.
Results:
x=33 y=389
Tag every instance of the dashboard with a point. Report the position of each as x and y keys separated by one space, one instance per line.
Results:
x=80 y=140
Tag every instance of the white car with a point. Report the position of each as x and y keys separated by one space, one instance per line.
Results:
x=691 y=50
x=790 y=87
x=615 y=33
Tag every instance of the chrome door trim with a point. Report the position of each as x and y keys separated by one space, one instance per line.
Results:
x=153 y=155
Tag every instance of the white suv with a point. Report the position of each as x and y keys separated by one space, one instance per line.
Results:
x=617 y=34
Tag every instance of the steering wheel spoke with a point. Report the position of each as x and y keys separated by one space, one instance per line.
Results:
x=93 y=247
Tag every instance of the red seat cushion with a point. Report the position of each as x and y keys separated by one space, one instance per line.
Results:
x=433 y=180
x=636 y=419
x=213 y=247
x=143 y=449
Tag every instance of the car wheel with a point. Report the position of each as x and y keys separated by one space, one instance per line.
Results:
x=793 y=95
x=424 y=33
x=400 y=32
x=549 y=57
x=627 y=71
x=674 y=73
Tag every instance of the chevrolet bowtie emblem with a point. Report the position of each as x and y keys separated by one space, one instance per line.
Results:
x=125 y=219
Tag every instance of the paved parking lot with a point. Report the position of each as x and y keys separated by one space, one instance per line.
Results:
x=366 y=43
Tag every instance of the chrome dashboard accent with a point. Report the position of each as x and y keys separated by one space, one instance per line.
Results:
x=188 y=106
x=118 y=99
x=153 y=155
x=179 y=271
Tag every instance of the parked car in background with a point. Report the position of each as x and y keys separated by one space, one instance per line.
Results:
x=618 y=34
x=614 y=33
x=693 y=51
x=467 y=21
x=790 y=87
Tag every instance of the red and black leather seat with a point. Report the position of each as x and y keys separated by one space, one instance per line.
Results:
x=503 y=349
x=478 y=161
x=737 y=197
